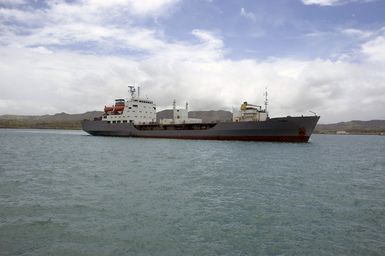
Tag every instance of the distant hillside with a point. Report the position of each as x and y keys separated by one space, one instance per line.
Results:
x=72 y=121
x=57 y=121
x=354 y=127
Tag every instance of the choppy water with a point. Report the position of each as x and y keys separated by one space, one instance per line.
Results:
x=67 y=193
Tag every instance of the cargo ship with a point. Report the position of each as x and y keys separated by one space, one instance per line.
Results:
x=136 y=117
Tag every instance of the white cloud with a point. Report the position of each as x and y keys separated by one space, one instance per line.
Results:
x=357 y=33
x=375 y=49
x=74 y=82
x=40 y=74
x=208 y=37
x=247 y=15
x=67 y=24
x=10 y=14
x=12 y=2
x=42 y=50
x=332 y=2
x=147 y=7
x=322 y=2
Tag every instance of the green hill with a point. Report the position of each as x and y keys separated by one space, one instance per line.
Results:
x=57 y=121
x=72 y=121
x=353 y=127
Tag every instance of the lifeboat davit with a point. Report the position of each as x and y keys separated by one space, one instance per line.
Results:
x=108 y=109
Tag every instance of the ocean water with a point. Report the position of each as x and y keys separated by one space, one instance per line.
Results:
x=68 y=193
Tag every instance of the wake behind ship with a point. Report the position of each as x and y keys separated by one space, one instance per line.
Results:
x=136 y=117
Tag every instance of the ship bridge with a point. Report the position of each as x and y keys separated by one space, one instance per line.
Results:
x=135 y=110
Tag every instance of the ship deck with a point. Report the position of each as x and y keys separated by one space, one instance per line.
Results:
x=162 y=127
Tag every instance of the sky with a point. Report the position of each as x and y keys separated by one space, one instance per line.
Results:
x=325 y=56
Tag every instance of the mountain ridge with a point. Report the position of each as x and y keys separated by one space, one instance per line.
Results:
x=72 y=121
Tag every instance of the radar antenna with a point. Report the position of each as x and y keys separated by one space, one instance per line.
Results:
x=131 y=90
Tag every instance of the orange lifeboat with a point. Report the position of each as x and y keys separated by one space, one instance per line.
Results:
x=118 y=108
x=115 y=109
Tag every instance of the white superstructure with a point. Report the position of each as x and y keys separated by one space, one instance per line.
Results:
x=140 y=111
x=136 y=110
x=180 y=116
x=249 y=112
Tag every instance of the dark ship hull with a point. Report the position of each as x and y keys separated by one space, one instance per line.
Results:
x=282 y=129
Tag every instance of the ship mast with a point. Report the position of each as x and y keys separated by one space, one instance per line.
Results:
x=173 y=111
x=266 y=101
x=131 y=90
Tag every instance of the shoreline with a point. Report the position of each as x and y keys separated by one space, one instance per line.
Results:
x=78 y=128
